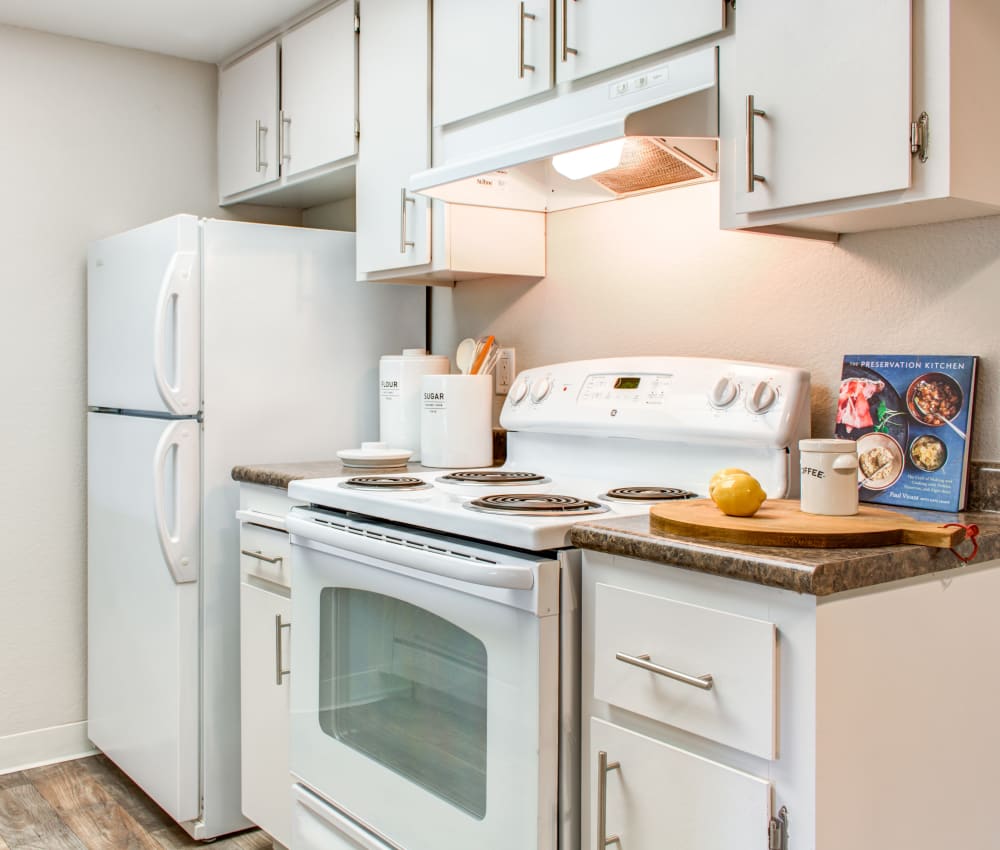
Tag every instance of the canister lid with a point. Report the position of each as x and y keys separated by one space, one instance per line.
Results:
x=413 y=354
x=828 y=445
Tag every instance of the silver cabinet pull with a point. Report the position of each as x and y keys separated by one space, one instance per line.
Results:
x=261 y=164
x=603 y=769
x=704 y=682
x=260 y=556
x=404 y=200
x=752 y=113
x=566 y=49
x=279 y=673
x=284 y=136
x=521 y=66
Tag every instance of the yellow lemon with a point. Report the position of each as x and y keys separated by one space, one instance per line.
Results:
x=724 y=473
x=738 y=494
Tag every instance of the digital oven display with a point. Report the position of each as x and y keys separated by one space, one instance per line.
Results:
x=626 y=383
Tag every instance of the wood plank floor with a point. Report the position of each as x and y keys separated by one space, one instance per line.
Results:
x=89 y=804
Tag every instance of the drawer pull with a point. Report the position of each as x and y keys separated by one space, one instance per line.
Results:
x=704 y=682
x=604 y=767
x=260 y=556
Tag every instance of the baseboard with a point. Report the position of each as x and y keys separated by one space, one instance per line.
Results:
x=44 y=746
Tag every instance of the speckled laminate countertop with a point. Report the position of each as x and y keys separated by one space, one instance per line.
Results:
x=282 y=474
x=819 y=572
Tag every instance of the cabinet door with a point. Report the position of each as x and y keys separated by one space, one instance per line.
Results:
x=597 y=34
x=248 y=121
x=318 y=90
x=832 y=79
x=393 y=226
x=265 y=777
x=488 y=53
x=664 y=797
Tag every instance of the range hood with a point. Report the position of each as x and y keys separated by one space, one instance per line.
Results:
x=654 y=128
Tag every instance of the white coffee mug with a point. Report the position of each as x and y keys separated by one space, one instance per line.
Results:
x=829 y=477
x=456 y=420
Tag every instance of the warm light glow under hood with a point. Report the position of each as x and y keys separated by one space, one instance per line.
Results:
x=655 y=129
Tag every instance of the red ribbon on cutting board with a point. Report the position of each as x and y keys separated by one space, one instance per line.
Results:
x=972 y=535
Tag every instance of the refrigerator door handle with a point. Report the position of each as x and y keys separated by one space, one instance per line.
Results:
x=180 y=544
x=180 y=290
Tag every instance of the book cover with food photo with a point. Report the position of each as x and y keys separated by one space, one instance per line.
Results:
x=911 y=417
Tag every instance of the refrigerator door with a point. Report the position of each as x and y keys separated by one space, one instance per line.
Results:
x=143 y=602
x=144 y=319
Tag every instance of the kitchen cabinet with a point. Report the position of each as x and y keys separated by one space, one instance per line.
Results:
x=490 y=54
x=821 y=107
x=870 y=746
x=407 y=237
x=292 y=104
x=265 y=636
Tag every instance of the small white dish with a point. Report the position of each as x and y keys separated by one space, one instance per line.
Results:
x=374 y=456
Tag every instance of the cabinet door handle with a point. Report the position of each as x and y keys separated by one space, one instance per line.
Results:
x=521 y=66
x=704 y=682
x=404 y=243
x=261 y=130
x=603 y=769
x=752 y=113
x=260 y=556
x=566 y=49
x=284 y=136
x=279 y=673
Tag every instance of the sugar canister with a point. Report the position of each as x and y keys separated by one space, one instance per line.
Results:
x=829 y=480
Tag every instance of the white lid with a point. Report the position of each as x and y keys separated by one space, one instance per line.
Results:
x=828 y=445
x=413 y=354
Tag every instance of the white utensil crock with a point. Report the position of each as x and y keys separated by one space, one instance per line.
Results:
x=399 y=396
x=829 y=479
x=456 y=420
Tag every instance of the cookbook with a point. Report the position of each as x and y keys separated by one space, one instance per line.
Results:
x=911 y=417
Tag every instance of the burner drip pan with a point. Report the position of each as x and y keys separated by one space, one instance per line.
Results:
x=535 y=504
x=647 y=494
x=385 y=483
x=492 y=477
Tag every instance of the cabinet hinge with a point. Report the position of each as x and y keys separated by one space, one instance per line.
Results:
x=357 y=23
x=920 y=135
x=777 y=831
x=357 y=129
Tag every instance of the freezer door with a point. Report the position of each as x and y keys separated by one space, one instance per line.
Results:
x=142 y=602
x=144 y=319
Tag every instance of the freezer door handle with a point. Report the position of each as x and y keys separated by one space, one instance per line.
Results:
x=179 y=290
x=181 y=543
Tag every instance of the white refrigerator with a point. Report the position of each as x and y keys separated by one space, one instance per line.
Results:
x=210 y=344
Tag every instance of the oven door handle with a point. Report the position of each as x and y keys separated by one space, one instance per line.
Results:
x=441 y=563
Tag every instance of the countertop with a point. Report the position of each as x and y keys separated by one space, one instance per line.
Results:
x=282 y=474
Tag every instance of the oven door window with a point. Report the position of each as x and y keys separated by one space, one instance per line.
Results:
x=406 y=689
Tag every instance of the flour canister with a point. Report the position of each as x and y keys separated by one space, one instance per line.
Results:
x=456 y=420
x=829 y=477
x=399 y=379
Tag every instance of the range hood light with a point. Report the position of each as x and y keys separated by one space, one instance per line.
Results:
x=590 y=160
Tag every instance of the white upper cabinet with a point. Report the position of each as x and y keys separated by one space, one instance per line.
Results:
x=488 y=53
x=318 y=98
x=393 y=225
x=594 y=35
x=248 y=121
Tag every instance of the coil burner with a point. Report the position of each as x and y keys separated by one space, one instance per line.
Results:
x=492 y=477
x=647 y=494
x=385 y=483
x=535 y=504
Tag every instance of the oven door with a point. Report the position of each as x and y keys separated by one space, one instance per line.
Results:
x=425 y=703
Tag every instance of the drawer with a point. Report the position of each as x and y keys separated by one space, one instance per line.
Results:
x=738 y=653
x=265 y=553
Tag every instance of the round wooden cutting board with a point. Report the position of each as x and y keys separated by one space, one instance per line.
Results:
x=780 y=523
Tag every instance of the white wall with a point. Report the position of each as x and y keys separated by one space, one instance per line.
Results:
x=95 y=140
x=655 y=275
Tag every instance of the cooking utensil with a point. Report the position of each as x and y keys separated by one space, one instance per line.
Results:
x=779 y=522
x=489 y=364
x=483 y=345
x=930 y=415
x=465 y=355
x=864 y=481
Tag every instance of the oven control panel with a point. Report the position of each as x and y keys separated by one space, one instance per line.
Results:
x=663 y=398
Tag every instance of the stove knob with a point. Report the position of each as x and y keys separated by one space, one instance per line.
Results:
x=518 y=391
x=762 y=398
x=541 y=389
x=723 y=393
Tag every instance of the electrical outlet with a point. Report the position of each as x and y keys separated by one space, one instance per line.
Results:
x=503 y=375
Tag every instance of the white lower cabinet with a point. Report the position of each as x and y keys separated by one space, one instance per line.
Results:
x=265 y=653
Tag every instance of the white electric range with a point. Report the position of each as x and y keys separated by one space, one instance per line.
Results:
x=435 y=660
